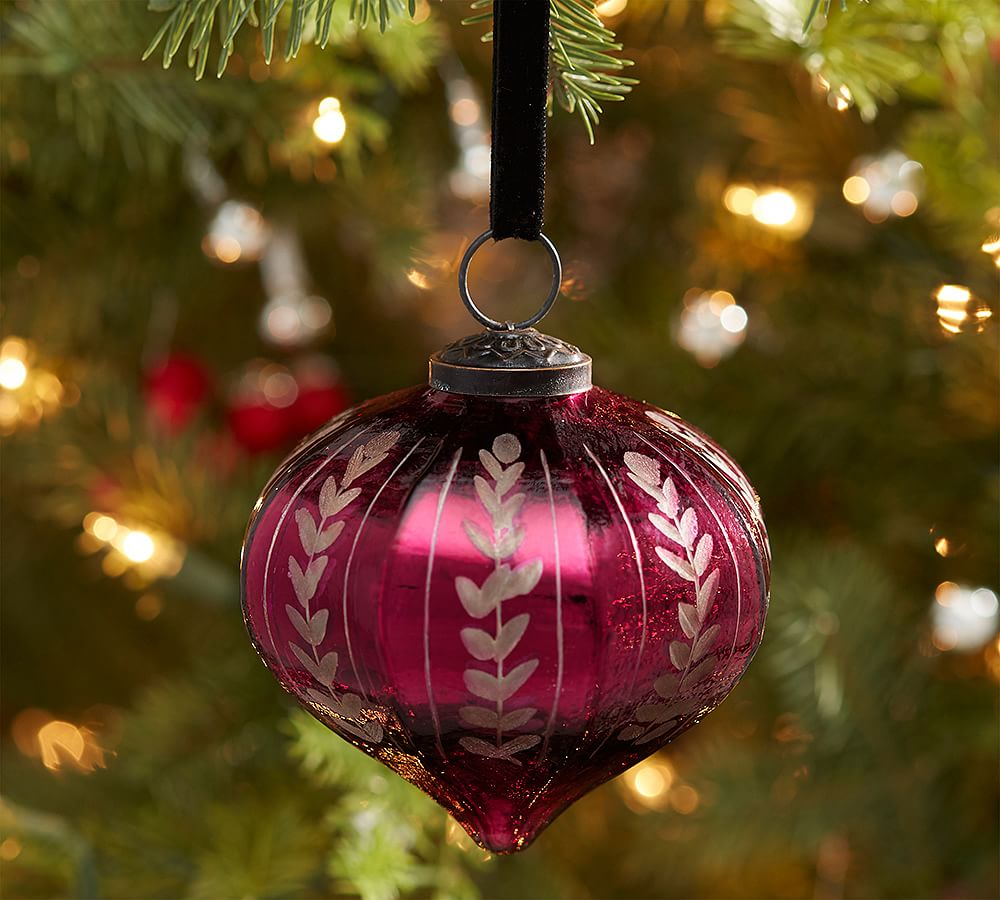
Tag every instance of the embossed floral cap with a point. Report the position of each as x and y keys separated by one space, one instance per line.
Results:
x=511 y=363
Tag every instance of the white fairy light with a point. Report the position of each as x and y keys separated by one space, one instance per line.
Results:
x=778 y=209
x=739 y=199
x=958 y=309
x=608 y=9
x=237 y=233
x=144 y=551
x=138 y=547
x=29 y=392
x=884 y=186
x=991 y=247
x=711 y=326
x=13 y=373
x=293 y=315
x=647 y=785
x=963 y=618
x=330 y=125
x=470 y=179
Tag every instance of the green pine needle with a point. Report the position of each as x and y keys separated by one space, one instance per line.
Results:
x=583 y=67
x=815 y=8
x=196 y=20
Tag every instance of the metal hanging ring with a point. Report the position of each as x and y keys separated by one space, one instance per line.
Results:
x=479 y=315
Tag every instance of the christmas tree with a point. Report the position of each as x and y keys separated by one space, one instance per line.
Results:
x=788 y=233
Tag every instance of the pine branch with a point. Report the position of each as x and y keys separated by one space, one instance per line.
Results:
x=872 y=55
x=195 y=20
x=583 y=67
x=815 y=8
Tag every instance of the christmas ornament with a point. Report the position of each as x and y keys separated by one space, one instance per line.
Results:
x=177 y=388
x=237 y=232
x=292 y=316
x=507 y=585
x=270 y=406
x=321 y=394
x=258 y=410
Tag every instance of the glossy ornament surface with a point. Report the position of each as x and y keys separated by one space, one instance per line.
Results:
x=507 y=601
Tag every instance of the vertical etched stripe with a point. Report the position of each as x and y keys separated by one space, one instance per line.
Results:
x=550 y=727
x=427 y=602
x=350 y=560
x=723 y=532
x=638 y=567
x=635 y=550
x=277 y=531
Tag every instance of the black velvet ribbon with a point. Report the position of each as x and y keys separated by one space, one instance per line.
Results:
x=520 y=88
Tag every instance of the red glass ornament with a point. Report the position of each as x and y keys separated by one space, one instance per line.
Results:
x=507 y=601
x=177 y=387
x=258 y=426
x=322 y=395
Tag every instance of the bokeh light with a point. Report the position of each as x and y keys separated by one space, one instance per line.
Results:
x=330 y=126
x=958 y=309
x=963 y=618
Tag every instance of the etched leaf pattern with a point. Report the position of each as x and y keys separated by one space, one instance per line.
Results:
x=479 y=600
x=690 y=560
x=677 y=428
x=316 y=538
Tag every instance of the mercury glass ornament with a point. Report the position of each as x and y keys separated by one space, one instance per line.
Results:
x=508 y=586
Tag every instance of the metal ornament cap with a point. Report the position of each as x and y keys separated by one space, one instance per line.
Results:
x=516 y=362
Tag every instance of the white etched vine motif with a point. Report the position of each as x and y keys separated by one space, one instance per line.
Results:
x=672 y=425
x=316 y=539
x=502 y=584
x=690 y=657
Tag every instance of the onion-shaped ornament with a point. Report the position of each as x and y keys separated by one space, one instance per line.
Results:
x=508 y=586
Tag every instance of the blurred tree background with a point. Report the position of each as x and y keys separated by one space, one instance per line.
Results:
x=788 y=236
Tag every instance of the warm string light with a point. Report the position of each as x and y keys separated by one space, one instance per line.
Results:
x=56 y=743
x=13 y=373
x=958 y=309
x=840 y=99
x=418 y=279
x=608 y=9
x=991 y=247
x=28 y=392
x=653 y=784
x=293 y=315
x=775 y=208
x=330 y=126
x=265 y=381
x=237 y=233
x=141 y=554
x=963 y=618
x=884 y=186
x=470 y=179
x=711 y=325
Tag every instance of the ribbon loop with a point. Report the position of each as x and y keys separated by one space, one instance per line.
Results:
x=520 y=93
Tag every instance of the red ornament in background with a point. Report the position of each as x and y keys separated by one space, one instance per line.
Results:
x=511 y=588
x=258 y=427
x=177 y=387
x=271 y=407
x=321 y=394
